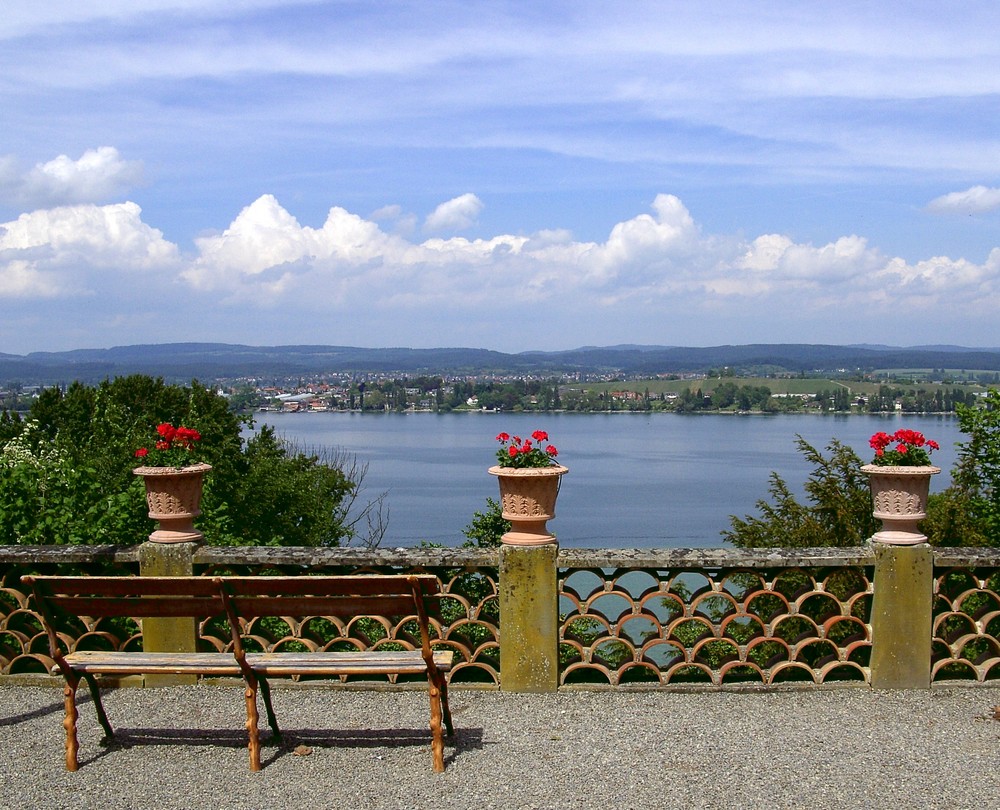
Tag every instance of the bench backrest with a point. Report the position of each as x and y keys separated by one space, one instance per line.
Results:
x=236 y=598
x=342 y=596
x=98 y=597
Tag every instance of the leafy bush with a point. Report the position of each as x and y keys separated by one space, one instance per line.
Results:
x=487 y=527
x=66 y=472
x=839 y=512
x=977 y=473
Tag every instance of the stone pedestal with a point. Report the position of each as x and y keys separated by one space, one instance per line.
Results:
x=901 y=618
x=529 y=618
x=168 y=634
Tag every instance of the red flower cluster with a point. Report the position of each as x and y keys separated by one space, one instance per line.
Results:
x=174 y=446
x=184 y=437
x=911 y=450
x=518 y=452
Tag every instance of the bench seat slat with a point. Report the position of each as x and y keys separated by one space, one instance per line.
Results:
x=346 y=663
x=137 y=663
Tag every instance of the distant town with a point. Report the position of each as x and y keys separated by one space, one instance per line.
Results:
x=768 y=379
x=381 y=392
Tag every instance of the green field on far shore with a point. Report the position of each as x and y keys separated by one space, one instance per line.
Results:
x=777 y=385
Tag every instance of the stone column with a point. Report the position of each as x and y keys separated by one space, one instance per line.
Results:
x=168 y=634
x=529 y=618
x=902 y=610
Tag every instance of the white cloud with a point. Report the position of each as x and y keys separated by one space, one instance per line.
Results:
x=265 y=248
x=653 y=269
x=22 y=279
x=975 y=200
x=658 y=259
x=21 y=18
x=457 y=214
x=401 y=222
x=96 y=176
x=78 y=249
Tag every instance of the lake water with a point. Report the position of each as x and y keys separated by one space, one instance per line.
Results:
x=635 y=480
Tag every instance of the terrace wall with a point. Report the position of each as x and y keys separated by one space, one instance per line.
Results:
x=679 y=618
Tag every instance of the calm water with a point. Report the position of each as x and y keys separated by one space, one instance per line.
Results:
x=635 y=480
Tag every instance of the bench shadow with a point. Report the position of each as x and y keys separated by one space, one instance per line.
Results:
x=465 y=739
x=57 y=707
x=272 y=750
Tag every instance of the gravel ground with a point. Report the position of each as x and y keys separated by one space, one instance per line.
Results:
x=184 y=747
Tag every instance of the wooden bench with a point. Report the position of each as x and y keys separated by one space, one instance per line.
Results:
x=237 y=600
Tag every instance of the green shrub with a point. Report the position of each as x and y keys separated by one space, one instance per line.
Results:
x=66 y=472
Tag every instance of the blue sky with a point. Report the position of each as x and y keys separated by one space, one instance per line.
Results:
x=508 y=175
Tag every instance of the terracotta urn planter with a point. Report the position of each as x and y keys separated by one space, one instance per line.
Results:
x=174 y=498
x=900 y=498
x=528 y=499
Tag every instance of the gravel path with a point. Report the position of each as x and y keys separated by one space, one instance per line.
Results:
x=184 y=747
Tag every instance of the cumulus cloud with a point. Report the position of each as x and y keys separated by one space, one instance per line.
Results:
x=398 y=220
x=75 y=249
x=266 y=248
x=458 y=214
x=653 y=268
x=975 y=200
x=96 y=176
x=657 y=259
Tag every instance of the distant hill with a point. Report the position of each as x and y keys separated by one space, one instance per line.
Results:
x=209 y=361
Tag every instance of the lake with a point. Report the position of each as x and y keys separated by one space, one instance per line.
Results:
x=636 y=480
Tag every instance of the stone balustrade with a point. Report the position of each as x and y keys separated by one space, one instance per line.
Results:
x=884 y=616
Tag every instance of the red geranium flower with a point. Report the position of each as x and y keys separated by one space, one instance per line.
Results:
x=174 y=447
x=518 y=452
x=911 y=450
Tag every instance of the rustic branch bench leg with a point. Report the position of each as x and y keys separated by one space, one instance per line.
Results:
x=272 y=721
x=437 y=738
x=447 y=709
x=69 y=723
x=102 y=717
x=255 y=682
x=254 y=732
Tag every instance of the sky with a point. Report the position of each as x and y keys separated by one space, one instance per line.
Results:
x=501 y=175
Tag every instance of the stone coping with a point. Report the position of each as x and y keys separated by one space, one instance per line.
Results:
x=712 y=558
x=715 y=557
